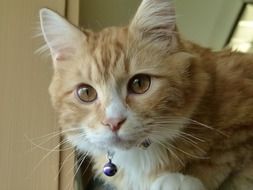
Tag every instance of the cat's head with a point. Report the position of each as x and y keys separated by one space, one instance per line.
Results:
x=115 y=88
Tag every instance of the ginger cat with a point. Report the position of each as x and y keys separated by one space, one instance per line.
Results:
x=176 y=116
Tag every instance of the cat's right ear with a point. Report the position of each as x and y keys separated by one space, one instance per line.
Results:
x=155 y=23
x=63 y=39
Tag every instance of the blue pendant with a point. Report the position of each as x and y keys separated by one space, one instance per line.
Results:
x=110 y=169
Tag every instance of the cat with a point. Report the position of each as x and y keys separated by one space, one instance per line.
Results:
x=175 y=115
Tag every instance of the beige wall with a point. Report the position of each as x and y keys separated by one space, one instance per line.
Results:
x=25 y=108
x=207 y=22
x=97 y=14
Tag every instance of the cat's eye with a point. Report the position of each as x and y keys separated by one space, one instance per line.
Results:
x=86 y=93
x=139 y=84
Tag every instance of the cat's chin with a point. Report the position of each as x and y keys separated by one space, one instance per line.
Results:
x=129 y=144
x=117 y=143
x=123 y=144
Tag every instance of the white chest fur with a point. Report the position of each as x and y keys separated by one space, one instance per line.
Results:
x=138 y=166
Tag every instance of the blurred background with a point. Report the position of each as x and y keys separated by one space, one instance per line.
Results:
x=30 y=156
x=209 y=23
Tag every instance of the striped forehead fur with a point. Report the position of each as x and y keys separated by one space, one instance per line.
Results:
x=108 y=49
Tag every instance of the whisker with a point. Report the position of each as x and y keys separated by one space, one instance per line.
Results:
x=195 y=146
x=51 y=151
x=85 y=155
x=167 y=148
x=44 y=136
x=82 y=158
x=43 y=148
x=193 y=143
x=184 y=121
x=60 y=131
x=187 y=153
x=191 y=139
x=207 y=126
x=192 y=136
x=185 y=138
x=62 y=164
x=91 y=159
x=44 y=157
x=178 y=133
x=72 y=169
x=166 y=122
x=51 y=136
x=76 y=168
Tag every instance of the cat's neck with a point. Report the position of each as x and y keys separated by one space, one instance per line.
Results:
x=138 y=164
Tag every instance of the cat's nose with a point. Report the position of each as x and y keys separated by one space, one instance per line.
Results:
x=114 y=123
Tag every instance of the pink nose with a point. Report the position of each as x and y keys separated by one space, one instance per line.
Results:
x=114 y=123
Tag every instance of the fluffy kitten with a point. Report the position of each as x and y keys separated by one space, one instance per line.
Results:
x=122 y=86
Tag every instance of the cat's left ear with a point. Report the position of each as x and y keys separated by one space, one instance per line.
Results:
x=155 y=21
x=63 y=39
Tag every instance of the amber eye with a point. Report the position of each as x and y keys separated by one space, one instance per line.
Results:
x=139 y=84
x=86 y=93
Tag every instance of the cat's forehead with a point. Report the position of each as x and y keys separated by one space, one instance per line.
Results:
x=107 y=52
x=110 y=35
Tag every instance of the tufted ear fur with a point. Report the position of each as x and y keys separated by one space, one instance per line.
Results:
x=62 y=38
x=155 y=22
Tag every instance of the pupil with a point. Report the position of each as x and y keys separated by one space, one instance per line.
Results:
x=84 y=92
x=138 y=82
x=87 y=92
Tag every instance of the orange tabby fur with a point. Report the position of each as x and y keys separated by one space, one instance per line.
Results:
x=214 y=90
